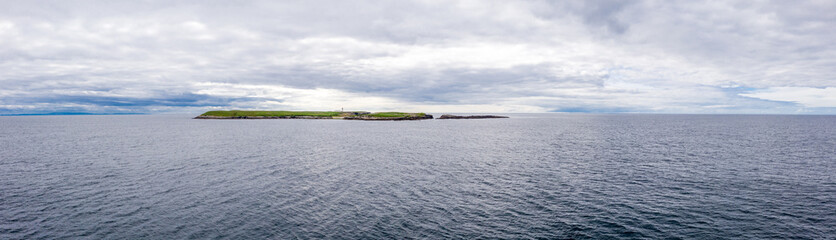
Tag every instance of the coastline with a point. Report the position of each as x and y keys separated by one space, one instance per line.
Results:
x=353 y=115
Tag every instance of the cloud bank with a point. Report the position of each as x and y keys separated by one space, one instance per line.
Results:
x=435 y=56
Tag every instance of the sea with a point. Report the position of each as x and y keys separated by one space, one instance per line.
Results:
x=531 y=176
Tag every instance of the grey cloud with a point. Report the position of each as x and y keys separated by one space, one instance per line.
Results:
x=157 y=53
x=606 y=15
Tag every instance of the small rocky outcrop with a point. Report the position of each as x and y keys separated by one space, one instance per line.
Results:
x=449 y=116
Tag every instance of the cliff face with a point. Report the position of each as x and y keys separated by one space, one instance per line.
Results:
x=448 y=116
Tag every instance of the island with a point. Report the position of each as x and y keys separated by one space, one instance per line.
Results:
x=350 y=115
x=449 y=116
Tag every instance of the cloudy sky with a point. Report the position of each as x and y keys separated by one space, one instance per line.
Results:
x=432 y=56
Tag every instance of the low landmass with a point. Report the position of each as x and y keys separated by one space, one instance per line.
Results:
x=350 y=115
x=449 y=116
x=389 y=116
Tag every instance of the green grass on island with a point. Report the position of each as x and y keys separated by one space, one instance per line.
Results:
x=237 y=113
x=318 y=114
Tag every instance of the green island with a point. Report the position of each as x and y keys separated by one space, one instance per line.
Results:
x=345 y=115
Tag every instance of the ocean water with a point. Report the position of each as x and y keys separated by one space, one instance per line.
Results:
x=553 y=176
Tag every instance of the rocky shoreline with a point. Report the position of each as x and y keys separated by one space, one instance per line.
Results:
x=367 y=118
x=449 y=116
x=351 y=115
x=362 y=118
x=261 y=117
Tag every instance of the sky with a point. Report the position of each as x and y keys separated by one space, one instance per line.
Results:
x=114 y=57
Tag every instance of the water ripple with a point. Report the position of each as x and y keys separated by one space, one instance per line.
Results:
x=550 y=176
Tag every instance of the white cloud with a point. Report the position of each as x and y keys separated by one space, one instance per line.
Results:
x=331 y=99
x=643 y=56
x=808 y=97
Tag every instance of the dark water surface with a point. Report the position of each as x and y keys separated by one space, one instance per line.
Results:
x=531 y=176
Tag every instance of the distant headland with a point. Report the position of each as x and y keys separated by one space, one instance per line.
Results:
x=350 y=115
x=345 y=115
